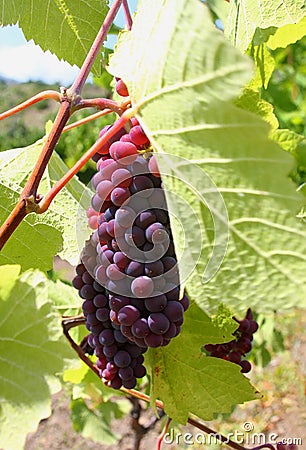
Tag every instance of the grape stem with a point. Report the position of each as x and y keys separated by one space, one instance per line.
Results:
x=162 y=434
x=95 y=48
x=70 y=322
x=46 y=201
x=99 y=103
x=127 y=14
x=29 y=197
x=69 y=98
x=44 y=95
x=67 y=324
x=87 y=119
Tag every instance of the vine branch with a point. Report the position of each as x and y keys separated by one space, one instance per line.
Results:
x=46 y=201
x=127 y=14
x=95 y=48
x=68 y=323
x=44 y=95
x=69 y=98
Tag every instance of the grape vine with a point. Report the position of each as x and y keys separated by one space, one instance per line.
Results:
x=185 y=214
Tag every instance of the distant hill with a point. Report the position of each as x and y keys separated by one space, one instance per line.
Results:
x=27 y=126
x=4 y=80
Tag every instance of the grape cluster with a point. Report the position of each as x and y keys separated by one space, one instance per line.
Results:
x=119 y=360
x=129 y=274
x=234 y=350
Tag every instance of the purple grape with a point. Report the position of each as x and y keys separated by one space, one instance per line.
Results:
x=138 y=137
x=77 y=282
x=244 y=325
x=104 y=189
x=156 y=304
x=156 y=228
x=142 y=286
x=119 y=337
x=126 y=331
x=116 y=302
x=154 y=269
x=121 y=260
x=114 y=273
x=103 y=234
x=110 y=213
x=124 y=152
x=185 y=302
x=106 y=257
x=101 y=275
x=88 y=307
x=128 y=315
x=139 y=371
x=110 y=350
x=171 y=333
x=122 y=359
x=142 y=183
x=174 y=311
x=158 y=323
x=110 y=227
x=102 y=314
x=125 y=216
x=245 y=366
x=125 y=373
x=172 y=291
x=106 y=337
x=120 y=195
x=122 y=178
x=140 y=328
x=135 y=269
x=116 y=383
x=135 y=236
x=154 y=340
x=100 y=301
x=129 y=384
x=253 y=326
x=234 y=357
x=144 y=219
x=87 y=292
x=244 y=345
x=91 y=319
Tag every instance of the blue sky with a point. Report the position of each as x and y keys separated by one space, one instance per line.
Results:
x=23 y=61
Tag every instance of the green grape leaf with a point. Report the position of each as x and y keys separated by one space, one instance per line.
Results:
x=265 y=65
x=64 y=297
x=250 y=101
x=40 y=237
x=245 y=16
x=287 y=139
x=226 y=182
x=287 y=35
x=33 y=352
x=95 y=423
x=187 y=381
x=33 y=243
x=66 y=28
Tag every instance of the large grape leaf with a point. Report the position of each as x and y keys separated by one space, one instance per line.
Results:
x=181 y=87
x=247 y=15
x=40 y=237
x=32 y=353
x=65 y=27
x=287 y=35
x=187 y=381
